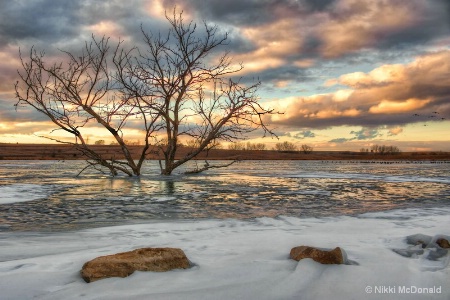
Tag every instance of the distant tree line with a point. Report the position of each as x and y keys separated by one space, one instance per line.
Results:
x=247 y=146
x=291 y=147
x=381 y=149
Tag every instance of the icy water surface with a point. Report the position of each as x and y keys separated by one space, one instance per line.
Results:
x=46 y=195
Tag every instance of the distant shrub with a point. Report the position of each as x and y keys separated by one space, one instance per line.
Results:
x=286 y=146
x=255 y=146
x=306 y=148
x=383 y=149
x=236 y=146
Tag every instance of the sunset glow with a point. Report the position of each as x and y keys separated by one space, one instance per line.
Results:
x=343 y=74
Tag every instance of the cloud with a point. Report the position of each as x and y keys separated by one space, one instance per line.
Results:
x=303 y=135
x=365 y=134
x=395 y=131
x=393 y=107
x=290 y=45
x=387 y=95
x=339 y=140
x=38 y=20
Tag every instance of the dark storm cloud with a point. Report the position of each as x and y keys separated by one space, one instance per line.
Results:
x=250 y=12
x=236 y=12
x=270 y=77
x=10 y=113
x=390 y=26
x=318 y=5
x=47 y=22
x=38 y=20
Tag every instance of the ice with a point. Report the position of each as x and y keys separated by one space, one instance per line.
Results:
x=22 y=192
x=234 y=259
x=163 y=199
x=372 y=177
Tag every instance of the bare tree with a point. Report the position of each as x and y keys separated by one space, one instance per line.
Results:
x=187 y=90
x=255 y=146
x=383 y=149
x=176 y=87
x=306 y=148
x=236 y=146
x=286 y=146
x=76 y=93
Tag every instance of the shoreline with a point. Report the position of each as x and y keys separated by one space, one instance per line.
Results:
x=68 y=152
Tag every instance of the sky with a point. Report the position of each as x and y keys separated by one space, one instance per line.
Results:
x=346 y=74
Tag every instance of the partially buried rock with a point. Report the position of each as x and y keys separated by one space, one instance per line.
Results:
x=419 y=239
x=335 y=256
x=443 y=243
x=124 y=264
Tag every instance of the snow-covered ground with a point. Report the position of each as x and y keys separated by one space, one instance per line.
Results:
x=235 y=259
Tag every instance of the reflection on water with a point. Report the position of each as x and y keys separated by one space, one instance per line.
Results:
x=244 y=190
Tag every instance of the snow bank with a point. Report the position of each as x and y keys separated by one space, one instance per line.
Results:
x=235 y=260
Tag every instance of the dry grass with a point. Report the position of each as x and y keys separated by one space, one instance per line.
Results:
x=68 y=152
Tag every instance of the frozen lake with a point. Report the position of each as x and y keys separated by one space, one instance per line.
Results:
x=46 y=195
x=237 y=226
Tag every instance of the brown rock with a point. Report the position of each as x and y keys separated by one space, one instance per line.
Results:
x=124 y=264
x=334 y=256
x=443 y=243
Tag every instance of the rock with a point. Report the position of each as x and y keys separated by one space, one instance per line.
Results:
x=443 y=243
x=323 y=256
x=124 y=264
x=428 y=248
x=419 y=239
x=410 y=252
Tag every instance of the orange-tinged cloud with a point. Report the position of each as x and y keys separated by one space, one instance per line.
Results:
x=395 y=131
x=386 y=74
x=304 y=63
x=326 y=114
x=342 y=95
x=107 y=28
x=157 y=9
x=389 y=93
x=274 y=43
x=393 y=107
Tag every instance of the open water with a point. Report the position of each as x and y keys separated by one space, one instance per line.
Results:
x=47 y=195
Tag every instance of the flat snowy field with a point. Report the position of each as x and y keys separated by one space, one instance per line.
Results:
x=235 y=260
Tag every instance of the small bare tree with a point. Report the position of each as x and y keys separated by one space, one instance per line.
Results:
x=306 y=149
x=236 y=146
x=255 y=146
x=286 y=146
x=175 y=88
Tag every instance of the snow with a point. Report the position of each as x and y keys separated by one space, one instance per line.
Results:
x=236 y=259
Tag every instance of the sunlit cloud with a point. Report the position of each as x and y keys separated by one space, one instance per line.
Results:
x=395 y=131
x=155 y=8
x=107 y=28
x=392 y=107
x=327 y=65
x=395 y=92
